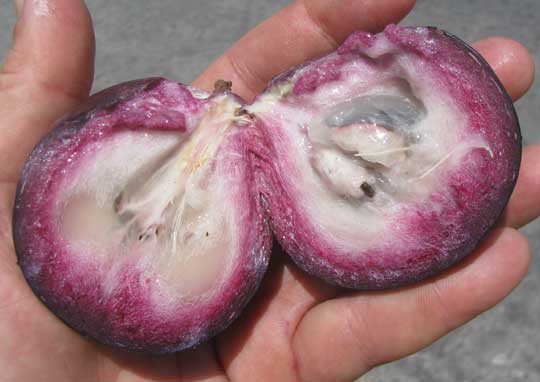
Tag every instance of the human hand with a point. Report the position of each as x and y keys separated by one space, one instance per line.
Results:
x=296 y=328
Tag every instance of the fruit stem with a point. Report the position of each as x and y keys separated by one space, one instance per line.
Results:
x=222 y=86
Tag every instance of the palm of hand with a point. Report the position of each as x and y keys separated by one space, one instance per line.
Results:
x=297 y=328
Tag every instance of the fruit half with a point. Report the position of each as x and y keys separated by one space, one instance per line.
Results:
x=388 y=160
x=136 y=220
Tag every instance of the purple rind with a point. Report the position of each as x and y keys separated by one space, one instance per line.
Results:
x=74 y=295
x=495 y=78
x=445 y=238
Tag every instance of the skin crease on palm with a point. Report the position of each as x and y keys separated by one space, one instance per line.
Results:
x=296 y=328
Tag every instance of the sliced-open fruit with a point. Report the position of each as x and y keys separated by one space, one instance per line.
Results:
x=142 y=219
x=136 y=221
x=388 y=160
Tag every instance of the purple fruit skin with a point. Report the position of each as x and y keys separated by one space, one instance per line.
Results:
x=430 y=242
x=127 y=318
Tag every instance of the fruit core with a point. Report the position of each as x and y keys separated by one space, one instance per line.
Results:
x=160 y=193
x=386 y=145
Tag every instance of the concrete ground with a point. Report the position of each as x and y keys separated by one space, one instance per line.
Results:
x=177 y=39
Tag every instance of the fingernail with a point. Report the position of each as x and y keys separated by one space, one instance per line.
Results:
x=19 y=6
x=42 y=7
x=35 y=7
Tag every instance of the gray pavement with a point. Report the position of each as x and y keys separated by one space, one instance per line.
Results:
x=177 y=39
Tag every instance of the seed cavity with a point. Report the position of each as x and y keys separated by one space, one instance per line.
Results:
x=344 y=176
x=358 y=142
x=371 y=142
x=385 y=110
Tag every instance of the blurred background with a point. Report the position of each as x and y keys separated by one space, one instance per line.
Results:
x=178 y=39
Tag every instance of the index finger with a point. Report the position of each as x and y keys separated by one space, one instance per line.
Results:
x=299 y=32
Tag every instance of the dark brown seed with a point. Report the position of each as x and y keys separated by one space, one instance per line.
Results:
x=368 y=189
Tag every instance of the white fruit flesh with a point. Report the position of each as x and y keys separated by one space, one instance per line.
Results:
x=372 y=143
x=344 y=176
x=380 y=128
x=158 y=202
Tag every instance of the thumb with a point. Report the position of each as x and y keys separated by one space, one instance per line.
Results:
x=47 y=72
